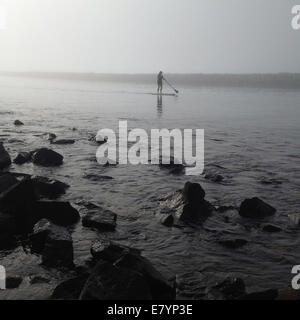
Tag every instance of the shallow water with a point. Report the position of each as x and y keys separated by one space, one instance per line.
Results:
x=251 y=137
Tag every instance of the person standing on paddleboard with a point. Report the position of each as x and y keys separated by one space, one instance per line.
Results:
x=160 y=78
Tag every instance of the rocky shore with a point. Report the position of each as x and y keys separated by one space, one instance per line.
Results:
x=33 y=217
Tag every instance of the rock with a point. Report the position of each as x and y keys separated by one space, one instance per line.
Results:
x=96 y=178
x=13 y=282
x=110 y=251
x=8 y=230
x=233 y=243
x=18 y=123
x=101 y=219
x=172 y=165
x=54 y=243
x=69 y=289
x=188 y=205
x=49 y=188
x=63 y=141
x=223 y=209
x=256 y=208
x=271 y=228
x=295 y=219
x=18 y=201
x=231 y=288
x=60 y=213
x=51 y=136
x=159 y=287
x=98 y=139
x=268 y=295
x=5 y=160
x=217 y=178
x=108 y=282
x=7 y=181
x=167 y=220
x=22 y=158
x=47 y=158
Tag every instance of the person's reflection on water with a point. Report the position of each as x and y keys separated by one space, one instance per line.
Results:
x=159 y=105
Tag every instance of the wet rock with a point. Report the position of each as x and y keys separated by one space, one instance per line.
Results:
x=231 y=288
x=172 y=165
x=271 y=228
x=101 y=219
x=5 y=159
x=60 y=213
x=49 y=188
x=295 y=219
x=18 y=202
x=54 y=243
x=69 y=289
x=7 y=181
x=167 y=220
x=256 y=208
x=63 y=141
x=160 y=289
x=13 y=282
x=213 y=177
x=51 y=136
x=110 y=251
x=188 y=205
x=8 y=230
x=98 y=139
x=18 y=123
x=233 y=243
x=268 y=295
x=108 y=282
x=223 y=209
x=22 y=158
x=47 y=158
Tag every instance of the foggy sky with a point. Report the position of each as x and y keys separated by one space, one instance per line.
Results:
x=144 y=36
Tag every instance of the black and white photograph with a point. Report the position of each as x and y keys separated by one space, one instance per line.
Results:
x=149 y=153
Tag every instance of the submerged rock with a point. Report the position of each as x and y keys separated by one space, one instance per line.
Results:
x=233 y=243
x=22 y=158
x=63 y=141
x=101 y=219
x=172 y=165
x=47 y=158
x=5 y=159
x=108 y=282
x=231 y=288
x=110 y=251
x=256 y=208
x=271 y=228
x=13 y=282
x=214 y=177
x=54 y=243
x=18 y=123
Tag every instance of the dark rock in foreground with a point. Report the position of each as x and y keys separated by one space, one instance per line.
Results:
x=49 y=188
x=101 y=219
x=60 y=213
x=5 y=159
x=231 y=288
x=69 y=289
x=256 y=208
x=8 y=230
x=47 y=158
x=54 y=243
x=22 y=158
x=7 y=181
x=108 y=282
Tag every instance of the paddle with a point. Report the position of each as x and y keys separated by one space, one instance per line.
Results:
x=171 y=86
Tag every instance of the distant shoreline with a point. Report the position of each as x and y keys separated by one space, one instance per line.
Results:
x=269 y=80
